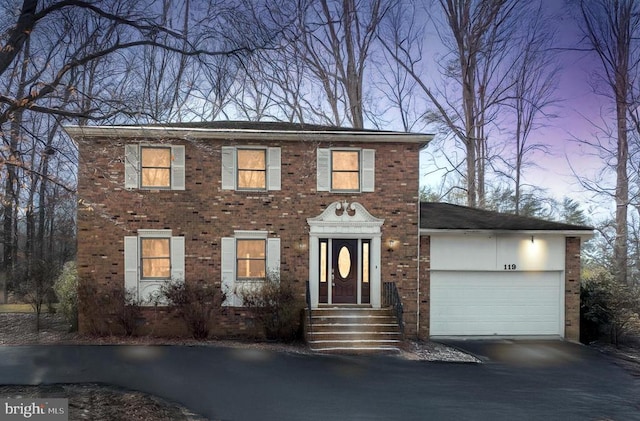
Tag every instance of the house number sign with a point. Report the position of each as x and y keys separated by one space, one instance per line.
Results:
x=510 y=267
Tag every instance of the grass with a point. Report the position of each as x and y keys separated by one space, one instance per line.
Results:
x=16 y=308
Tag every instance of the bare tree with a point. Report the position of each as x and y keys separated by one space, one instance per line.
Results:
x=335 y=38
x=611 y=29
x=531 y=94
x=478 y=38
x=67 y=59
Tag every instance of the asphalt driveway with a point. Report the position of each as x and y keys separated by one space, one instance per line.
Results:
x=230 y=384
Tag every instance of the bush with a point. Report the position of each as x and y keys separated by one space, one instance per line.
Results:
x=37 y=286
x=277 y=308
x=194 y=302
x=607 y=308
x=129 y=310
x=102 y=310
x=66 y=289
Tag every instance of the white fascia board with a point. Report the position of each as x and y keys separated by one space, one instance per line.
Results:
x=584 y=235
x=155 y=132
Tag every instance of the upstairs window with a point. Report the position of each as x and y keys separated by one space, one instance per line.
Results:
x=154 y=167
x=345 y=170
x=250 y=168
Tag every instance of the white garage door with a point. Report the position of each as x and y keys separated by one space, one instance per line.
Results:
x=495 y=303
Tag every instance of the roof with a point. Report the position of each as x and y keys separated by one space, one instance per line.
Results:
x=448 y=217
x=247 y=130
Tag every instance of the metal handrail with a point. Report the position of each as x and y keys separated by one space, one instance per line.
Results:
x=309 y=307
x=391 y=298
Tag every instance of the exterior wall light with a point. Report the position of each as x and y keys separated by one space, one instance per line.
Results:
x=392 y=244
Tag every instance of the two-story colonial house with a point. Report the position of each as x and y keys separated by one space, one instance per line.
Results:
x=333 y=208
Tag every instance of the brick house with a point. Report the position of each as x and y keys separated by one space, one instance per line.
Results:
x=229 y=202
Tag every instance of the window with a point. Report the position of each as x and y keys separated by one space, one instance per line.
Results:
x=154 y=167
x=250 y=168
x=345 y=170
x=251 y=259
x=365 y=261
x=151 y=259
x=155 y=257
x=247 y=257
x=324 y=260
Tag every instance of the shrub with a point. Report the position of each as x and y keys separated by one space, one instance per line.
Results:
x=129 y=310
x=195 y=303
x=608 y=307
x=276 y=306
x=66 y=289
x=37 y=286
x=102 y=310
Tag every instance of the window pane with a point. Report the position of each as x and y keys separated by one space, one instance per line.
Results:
x=156 y=268
x=344 y=262
x=345 y=181
x=365 y=262
x=251 y=159
x=251 y=179
x=156 y=157
x=155 y=177
x=251 y=268
x=345 y=160
x=251 y=249
x=323 y=261
x=155 y=247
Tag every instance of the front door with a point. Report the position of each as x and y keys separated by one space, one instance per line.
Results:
x=344 y=271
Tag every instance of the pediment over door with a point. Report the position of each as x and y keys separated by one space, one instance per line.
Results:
x=343 y=217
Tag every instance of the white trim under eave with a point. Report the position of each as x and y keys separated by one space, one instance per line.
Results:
x=584 y=235
x=245 y=134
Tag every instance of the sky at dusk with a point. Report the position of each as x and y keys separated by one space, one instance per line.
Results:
x=579 y=108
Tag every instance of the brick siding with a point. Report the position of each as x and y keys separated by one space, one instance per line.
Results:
x=204 y=213
x=572 y=289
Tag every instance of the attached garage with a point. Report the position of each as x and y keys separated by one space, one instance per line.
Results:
x=496 y=303
x=494 y=274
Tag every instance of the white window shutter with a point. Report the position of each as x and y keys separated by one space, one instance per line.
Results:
x=368 y=170
x=273 y=168
x=228 y=168
x=131 y=166
x=177 y=168
x=228 y=265
x=323 y=169
x=273 y=256
x=177 y=258
x=131 y=265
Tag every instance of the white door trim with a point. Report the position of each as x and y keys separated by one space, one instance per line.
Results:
x=344 y=220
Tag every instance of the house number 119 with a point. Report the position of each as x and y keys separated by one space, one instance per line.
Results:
x=510 y=267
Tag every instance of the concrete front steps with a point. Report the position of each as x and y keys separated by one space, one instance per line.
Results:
x=354 y=329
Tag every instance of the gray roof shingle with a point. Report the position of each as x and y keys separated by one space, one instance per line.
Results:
x=454 y=217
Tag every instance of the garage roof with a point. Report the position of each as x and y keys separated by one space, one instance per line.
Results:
x=445 y=216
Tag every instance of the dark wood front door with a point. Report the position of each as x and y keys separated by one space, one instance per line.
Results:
x=344 y=270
